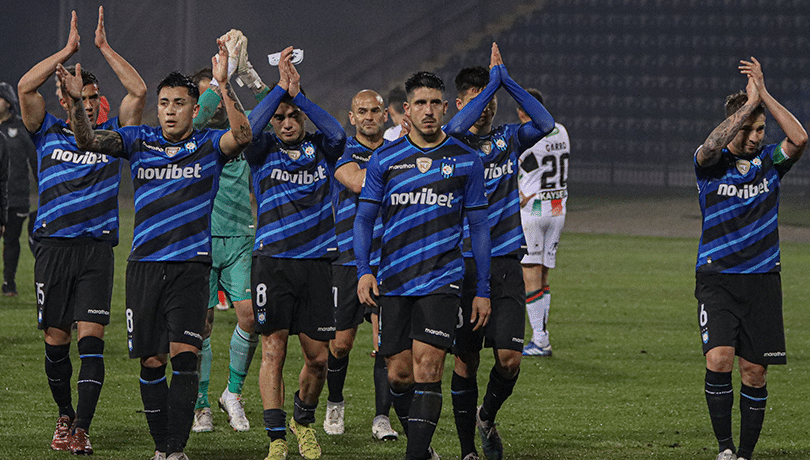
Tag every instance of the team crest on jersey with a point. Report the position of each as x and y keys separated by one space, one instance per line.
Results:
x=447 y=169
x=705 y=336
x=172 y=151
x=486 y=147
x=12 y=132
x=423 y=164
x=500 y=143
x=293 y=154
x=743 y=166
x=309 y=150
x=262 y=317
x=191 y=146
x=756 y=162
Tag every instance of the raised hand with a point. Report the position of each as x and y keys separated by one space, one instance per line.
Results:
x=495 y=56
x=101 y=32
x=73 y=38
x=283 y=72
x=295 y=78
x=219 y=63
x=70 y=84
x=756 y=80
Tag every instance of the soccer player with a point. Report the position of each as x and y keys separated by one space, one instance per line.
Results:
x=396 y=97
x=423 y=184
x=291 y=277
x=368 y=115
x=175 y=172
x=543 y=183
x=738 y=286
x=76 y=228
x=498 y=149
x=232 y=231
x=21 y=155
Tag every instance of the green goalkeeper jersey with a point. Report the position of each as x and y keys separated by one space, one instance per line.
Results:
x=232 y=214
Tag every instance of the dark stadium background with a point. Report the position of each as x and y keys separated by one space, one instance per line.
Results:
x=639 y=84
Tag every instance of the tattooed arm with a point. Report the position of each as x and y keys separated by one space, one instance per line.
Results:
x=239 y=136
x=709 y=152
x=99 y=141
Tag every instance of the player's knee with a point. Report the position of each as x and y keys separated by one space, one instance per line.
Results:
x=508 y=367
x=753 y=375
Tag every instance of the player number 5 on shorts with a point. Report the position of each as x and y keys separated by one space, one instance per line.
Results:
x=40 y=294
x=704 y=317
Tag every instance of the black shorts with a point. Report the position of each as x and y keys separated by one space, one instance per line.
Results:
x=506 y=327
x=349 y=312
x=166 y=302
x=293 y=294
x=73 y=281
x=744 y=312
x=431 y=319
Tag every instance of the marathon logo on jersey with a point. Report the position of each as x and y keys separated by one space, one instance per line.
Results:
x=360 y=158
x=302 y=178
x=744 y=191
x=425 y=196
x=423 y=164
x=555 y=195
x=402 y=166
x=171 y=171
x=86 y=158
x=447 y=169
x=494 y=171
x=153 y=147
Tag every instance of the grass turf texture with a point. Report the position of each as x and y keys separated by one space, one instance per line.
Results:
x=625 y=382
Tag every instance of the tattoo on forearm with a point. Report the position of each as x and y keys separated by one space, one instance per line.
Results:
x=726 y=130
x=236 y=104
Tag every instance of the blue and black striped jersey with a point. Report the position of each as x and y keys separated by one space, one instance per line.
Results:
x=78 y=191
x=175 y=185
x=422 y=196
x=345 y=203
x=499 y=151
x=739 y=201
x=292 y=184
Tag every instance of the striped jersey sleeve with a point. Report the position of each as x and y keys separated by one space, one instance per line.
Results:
x=175 y=185
x=292 y=184
x=78 y=190
x=739 y=202
x=423 y=195
x=345 y=201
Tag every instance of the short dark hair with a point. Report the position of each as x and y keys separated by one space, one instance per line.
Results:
x=203 y=74
x=471 y=77
x=87 y=77
x=423 y=79
x=735 y=101
x=396 y=97
x=178 y=80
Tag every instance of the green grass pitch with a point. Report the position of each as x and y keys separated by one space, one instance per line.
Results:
x=625 y=382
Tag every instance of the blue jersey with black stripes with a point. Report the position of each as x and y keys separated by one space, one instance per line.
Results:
x=78 y=190
x=423 y=195
x=293 y=185
x=345 y=203
x=499 y=151
x=175 y=185
x=739 y=201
